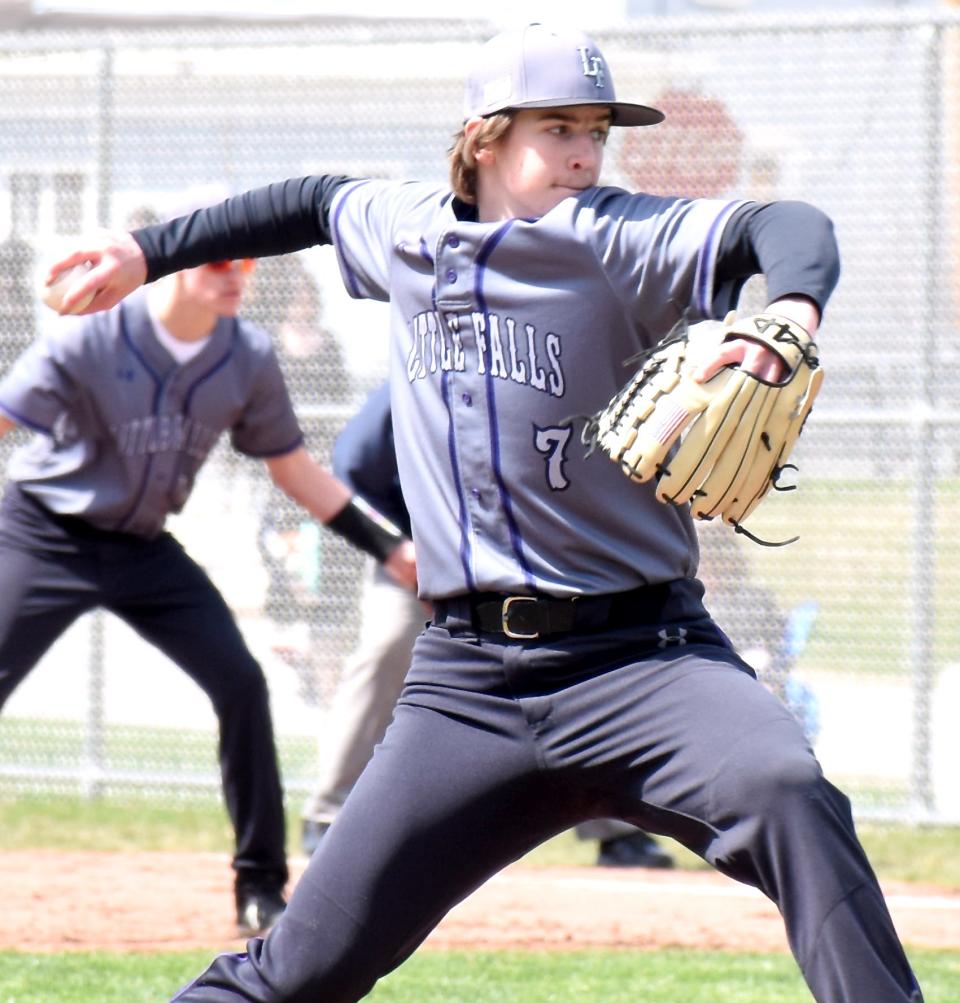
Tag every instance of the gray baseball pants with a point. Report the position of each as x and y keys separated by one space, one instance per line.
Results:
x=497 y=745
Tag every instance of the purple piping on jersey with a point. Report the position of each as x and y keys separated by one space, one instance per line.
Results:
x=157 y=386
x=516 y=539
x=224 y=359
x=425 y=254
x=22 y=419
x=673 y=222
x=351 y=277
x=151 y=372
x=215 y=368
x=458 y=483
x=703 y=282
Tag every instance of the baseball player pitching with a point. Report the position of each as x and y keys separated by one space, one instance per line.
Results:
x=571 y=670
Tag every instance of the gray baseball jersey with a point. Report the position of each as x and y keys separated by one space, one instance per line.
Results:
x=125 y=429
x=501 y=333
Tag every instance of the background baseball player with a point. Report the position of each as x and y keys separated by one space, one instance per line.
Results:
x=391 y=617
x=570 y=670
x=127 y=406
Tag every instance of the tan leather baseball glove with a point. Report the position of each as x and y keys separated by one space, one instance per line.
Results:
x=720 y=445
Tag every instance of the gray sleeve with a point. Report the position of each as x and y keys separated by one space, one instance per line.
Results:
x=364 y=221
x=268 y=425
x=41 y=386
x=660 y=254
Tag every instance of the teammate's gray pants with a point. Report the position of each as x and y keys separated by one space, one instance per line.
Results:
x=498 y=746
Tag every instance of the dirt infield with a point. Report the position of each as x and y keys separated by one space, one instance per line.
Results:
x=55 y=901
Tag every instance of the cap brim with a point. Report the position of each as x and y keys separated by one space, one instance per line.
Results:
x=635 y=114
x=624 y=113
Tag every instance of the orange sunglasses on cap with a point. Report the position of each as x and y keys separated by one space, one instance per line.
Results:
x=246 y=265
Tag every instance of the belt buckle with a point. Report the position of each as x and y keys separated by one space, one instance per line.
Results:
x=505 y=618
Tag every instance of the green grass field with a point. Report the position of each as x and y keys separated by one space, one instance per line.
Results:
x=857 y=556
x=666 y=976
x=31 y=742
x=926 y=854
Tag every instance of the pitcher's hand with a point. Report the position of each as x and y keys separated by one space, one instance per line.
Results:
x=117 y=268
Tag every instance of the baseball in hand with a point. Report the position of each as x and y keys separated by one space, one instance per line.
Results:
x=53 y=294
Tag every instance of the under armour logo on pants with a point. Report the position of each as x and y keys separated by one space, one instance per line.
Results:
x=668 y=636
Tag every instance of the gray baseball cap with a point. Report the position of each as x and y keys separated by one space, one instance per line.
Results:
x=545 y=67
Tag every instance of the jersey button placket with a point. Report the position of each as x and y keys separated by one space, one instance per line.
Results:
x=468 y=417
x=452 y=270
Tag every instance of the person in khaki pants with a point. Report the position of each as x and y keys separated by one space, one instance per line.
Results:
x=391 y=618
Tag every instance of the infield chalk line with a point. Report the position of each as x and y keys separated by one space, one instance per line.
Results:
x=733 y=890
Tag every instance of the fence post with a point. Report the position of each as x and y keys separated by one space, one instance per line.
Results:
x=94 y=739
x=94 y=745
x=105 y=122
x=923 y=586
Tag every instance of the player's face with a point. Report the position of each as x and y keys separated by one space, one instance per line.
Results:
x=219 y=287
x=547 y=155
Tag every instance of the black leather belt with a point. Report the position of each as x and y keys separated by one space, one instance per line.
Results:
x=525 y=618
x=528 y=618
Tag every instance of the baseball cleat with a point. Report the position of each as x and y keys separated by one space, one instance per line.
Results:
x=258 y=910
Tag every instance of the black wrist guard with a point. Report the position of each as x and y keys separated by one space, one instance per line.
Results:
x=366 y=529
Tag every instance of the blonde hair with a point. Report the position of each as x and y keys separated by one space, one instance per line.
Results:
x=463 y=161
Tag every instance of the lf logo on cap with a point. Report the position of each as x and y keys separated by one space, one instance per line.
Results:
x=592 y=66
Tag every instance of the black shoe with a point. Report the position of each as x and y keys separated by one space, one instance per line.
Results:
x=312 y=834
x=259 y=906
x=636 y=850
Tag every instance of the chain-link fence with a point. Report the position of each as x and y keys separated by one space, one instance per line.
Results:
x=855 y=625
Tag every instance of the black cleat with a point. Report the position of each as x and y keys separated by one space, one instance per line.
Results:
x=636 y=850
x=258 y=907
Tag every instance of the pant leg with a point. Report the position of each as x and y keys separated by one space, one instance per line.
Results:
x=686 y=743
x=453 y=793
x=682 y=742
x=170 y=601
x=368 y=689
x=45 y=585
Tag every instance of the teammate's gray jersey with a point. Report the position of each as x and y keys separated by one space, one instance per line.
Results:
x=124 y=428
x=503 y=331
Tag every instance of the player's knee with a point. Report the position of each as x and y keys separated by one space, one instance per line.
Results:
x=789 y=776
x=784 y=773
x=241 y=684
x=247 y=673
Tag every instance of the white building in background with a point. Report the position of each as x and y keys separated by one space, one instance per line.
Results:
x=24 y=12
